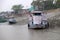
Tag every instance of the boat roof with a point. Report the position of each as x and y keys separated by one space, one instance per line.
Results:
x=37 y=12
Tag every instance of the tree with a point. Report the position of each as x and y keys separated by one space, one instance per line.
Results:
x=16 y=8
x=37 y=4
x=58 y=3
x=48 y=5
x=44 y=4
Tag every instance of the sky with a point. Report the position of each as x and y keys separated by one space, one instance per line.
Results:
x=6 y=5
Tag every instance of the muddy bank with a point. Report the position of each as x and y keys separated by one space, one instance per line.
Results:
x=54 y=21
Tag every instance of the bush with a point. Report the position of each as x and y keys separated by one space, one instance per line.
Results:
x=2 y=20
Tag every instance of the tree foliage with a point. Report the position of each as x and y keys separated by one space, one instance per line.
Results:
x=17 y=7
x=49 y=5
x=46 y=5
x=58 y=3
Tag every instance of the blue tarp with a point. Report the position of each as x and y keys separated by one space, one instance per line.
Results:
x=32 y=8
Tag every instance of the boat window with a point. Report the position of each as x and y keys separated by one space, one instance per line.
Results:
x=37 y=14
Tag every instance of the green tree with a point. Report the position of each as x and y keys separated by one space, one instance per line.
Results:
x=16 y=8
x=37 y=4
x=58 y=3
x=48 y=5
x=44 y=5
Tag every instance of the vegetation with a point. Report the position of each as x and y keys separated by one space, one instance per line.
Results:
x=2 y=20
x=46 y=5
x=49 y=5
x=58 y=3
x=16 y=8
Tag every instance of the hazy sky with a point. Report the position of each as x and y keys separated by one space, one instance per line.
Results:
x=5 y=5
